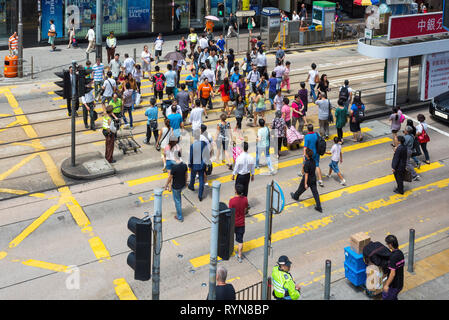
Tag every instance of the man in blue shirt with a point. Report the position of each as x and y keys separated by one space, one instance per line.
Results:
x=199 y=156
x=235 y=76
x=272 y=85
x=170 y=77
x=175 y=121
x=152 y=113
x=310 y=142
x=221 y=43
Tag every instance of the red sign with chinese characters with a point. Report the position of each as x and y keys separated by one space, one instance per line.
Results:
x=415 y=25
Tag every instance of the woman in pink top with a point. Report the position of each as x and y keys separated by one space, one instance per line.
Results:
x=286 y=112
x=182 y=44
x=286 y=79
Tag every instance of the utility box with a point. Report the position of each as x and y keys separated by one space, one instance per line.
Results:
x=226 y=224
x=270 y=25
x=323 y=13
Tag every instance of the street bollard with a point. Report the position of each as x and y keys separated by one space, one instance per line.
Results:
x=135 y=55
x=157 y=243
x=327 y=280
x=216 y=185
x=411 y=250
x=32 y=67
x=87 y=56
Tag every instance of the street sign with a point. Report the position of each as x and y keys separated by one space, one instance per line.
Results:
x=277 y=198
x=368 y=34
x=415 y=25
x=248 y=13
x=446 y=14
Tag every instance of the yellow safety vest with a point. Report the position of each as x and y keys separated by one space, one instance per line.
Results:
x=116 y=106
x=283 y=284
x=106 y=122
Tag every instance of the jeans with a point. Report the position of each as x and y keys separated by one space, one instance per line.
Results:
x=130 y=113
x=98 y=85
x=300 y=120
x=278 y=84
x=266 y=151
x=200 y=177
x=312 y=91
x=271 y=96
x=91 y=115
x=178 y=202
x=424 y=150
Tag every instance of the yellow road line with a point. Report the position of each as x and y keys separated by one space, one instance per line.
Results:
x=123 y=290
x=17 y=166
x=3 y=254
x=22 y=192
x=320 y=223
x=46 y=265
x=99 y=249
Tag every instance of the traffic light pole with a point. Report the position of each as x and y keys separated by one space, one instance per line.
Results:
x=20 y=44
x=74 y=100
x=157 y=246
x=214 y=239
x=99 y=30
x=266 y=242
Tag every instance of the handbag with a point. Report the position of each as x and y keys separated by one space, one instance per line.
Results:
x=423 y=137
x=158 y=145
x=293 y=136
x=330 y=117
x=407 y=175
x=138 y=99
x=208 y=169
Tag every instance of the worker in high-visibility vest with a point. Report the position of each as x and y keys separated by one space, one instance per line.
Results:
x=282 y=281
x=109 y=133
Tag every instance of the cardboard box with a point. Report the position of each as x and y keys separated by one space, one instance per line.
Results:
x=358 y=241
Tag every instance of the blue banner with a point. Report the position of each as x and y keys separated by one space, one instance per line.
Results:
x=52 y=10
x=139 y=15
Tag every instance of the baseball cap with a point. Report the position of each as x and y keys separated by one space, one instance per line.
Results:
x=283 y=260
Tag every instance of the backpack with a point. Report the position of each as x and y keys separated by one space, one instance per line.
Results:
x=159 y=82
x=359 y=114
x=378 y=254
x=320 y=145
x=344 y=93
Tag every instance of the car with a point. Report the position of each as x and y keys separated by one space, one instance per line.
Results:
x=439 y=107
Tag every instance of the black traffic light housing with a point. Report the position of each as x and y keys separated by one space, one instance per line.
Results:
x=226 y=226
x=64 y=84
x=83 y=82
x=220 y=10
x=140 y=244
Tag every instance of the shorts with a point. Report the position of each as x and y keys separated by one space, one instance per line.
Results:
x=224 y=143
x=354 y=127
x=51 y=40
x=394 y=131
x=158 y=94
x=334 y=166
x=158 y=53
x=260 y=109
x=204 y=101
x=169 y=90
x=225 y=98
x=169 y=164
x=239 y=232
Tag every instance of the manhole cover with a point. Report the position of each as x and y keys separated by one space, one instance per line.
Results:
x=97 y=166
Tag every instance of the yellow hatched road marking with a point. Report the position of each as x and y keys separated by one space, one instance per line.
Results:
x=46 y=265
x=320 y=223
x=123 y=290
x=22 y=192
x=17 y=166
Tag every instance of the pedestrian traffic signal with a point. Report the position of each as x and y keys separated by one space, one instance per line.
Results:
x=226 y=225
x=140 y=243
x=64 y=84
x=220 y=10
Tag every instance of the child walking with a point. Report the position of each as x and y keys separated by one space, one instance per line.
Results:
x=335 y=159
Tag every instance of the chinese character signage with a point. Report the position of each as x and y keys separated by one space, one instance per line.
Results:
x=437 y=75
x=415 y=25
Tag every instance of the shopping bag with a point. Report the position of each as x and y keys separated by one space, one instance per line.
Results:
x=138 y=99
x=293 y=136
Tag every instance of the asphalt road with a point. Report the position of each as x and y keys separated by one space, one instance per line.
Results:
x=55 y=228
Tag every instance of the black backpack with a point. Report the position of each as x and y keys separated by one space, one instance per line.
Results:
x=344 y=94
x=360 y=114
x=378 y=254
x=320 y=145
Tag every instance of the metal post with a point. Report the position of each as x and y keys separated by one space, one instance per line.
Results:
x=238 y=36
x=327 y=280
x=135 y=55
x=20 y=42
x=157 y=243
x=74 y=100
x=214 y=238
x=408 y=78
x=266 y=242
x=224 y=17
x=32 y=67
x=99 y=30
x=411 y=250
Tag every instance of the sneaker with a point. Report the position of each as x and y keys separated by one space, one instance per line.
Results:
x=418 y=165
x=300 y=174
x=318 y=209
x=327 y=175
x=239 y=259
x=416 y=178
x=343 y=182
x=293 y=196
x=320 y=183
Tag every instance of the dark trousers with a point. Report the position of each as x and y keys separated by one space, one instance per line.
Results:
x=392 y=294
x=312 y=187
x=69 y=106
x=399 y=176
x=244 y=181
x=280 y=143
x=91 y=115
x=109 y=147
x=340 y=133
x=200 y=177
x=424 y=150
x=155 y=133
x=111 y=52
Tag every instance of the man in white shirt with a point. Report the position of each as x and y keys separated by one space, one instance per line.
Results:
x=88 y=101
x=203 y=42
x=261 y=62
x=311 y=78
x=169 y=111
x=244 y=169
x=208 y=73
x=109 y=87
x=279 y=70
x=128 y=64
x=158 y=47
x=196 y=116
x=253 y=78
x=90 y=36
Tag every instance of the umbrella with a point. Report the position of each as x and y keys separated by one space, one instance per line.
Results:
x=213 y=18
x=174 y=56
x=366 y=2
